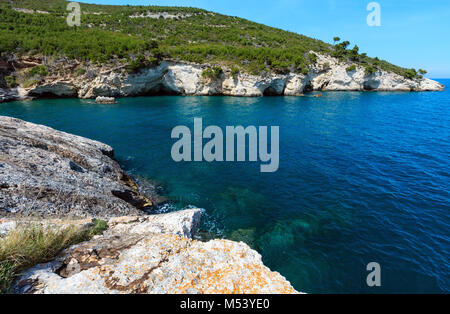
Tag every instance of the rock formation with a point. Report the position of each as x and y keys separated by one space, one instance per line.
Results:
x=51 y=173
x=105 y=100
x=154 y=254
x=180 y=78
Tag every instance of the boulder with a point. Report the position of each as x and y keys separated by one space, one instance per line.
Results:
x=105 y=100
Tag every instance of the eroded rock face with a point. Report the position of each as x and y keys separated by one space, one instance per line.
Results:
x=50 y=173
x=9 y=94
x=328 y=74
x=56 y=89
x=154 y=254
x=337 y=78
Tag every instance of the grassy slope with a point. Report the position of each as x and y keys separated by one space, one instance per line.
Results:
x=198 y=36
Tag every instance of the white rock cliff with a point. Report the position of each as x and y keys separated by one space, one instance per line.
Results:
x=328 y=74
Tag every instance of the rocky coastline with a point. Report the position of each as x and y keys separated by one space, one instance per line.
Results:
x=55 y=178
x=172 y=77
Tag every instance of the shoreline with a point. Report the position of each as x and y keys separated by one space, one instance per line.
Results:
x=306 y=95
x=189 y=79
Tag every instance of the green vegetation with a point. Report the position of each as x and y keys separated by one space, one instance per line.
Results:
x=80 y=72
x=370 y=69
x=312 y=58
x=235 y=72
x=411 y=73
x=351 y=68
x=212 y=73
x=26 y=83
x=371 y=65
x=40 y=70
x=11 y=81
x=123 y=34
x=32 y=244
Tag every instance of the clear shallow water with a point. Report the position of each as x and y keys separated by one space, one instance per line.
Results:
x=363 y=177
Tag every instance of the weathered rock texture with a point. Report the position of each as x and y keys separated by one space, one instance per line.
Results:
x=9 y=224
x=328 y=74
x=50 y=173
x=154 y=254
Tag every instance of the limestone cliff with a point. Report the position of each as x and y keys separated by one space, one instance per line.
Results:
x=179 y=78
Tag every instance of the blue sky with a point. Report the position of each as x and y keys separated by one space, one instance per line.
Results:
x=413 y=33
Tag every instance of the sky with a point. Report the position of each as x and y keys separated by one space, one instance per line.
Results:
x=412 y=34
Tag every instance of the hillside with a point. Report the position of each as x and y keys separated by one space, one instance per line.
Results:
x=143 y=35
x=121 y=51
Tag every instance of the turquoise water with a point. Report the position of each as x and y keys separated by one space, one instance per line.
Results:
x=364 y=177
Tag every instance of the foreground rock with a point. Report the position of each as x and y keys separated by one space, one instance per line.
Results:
x=154 y=254
x=9 y=224
x=50 y=173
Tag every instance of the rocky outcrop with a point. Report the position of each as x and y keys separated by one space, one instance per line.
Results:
x=50 y=173
x=328 y=74
x=154 y=254
x=186 y=79
x=9 y=95
x=332 y=75
x=9 y=224
x=56 y=89
x=105 y=100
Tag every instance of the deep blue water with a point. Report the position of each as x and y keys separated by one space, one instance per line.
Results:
x=364 y=177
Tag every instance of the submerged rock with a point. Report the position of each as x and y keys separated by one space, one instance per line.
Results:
x=154 y=254
x=50 y=173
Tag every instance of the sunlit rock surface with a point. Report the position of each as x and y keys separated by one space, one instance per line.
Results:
x=154 y=254
x=183 y=78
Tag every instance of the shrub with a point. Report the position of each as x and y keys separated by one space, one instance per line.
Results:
x=30 y=82
x=370 y=69
x=422 y=72
x=411 y=73
x=312 y=58
x=40 y=70
x=351 y=68
x=234 y=72
x=34 y=243
x=212 y=73
x=11 y=81
x=136 y=64
x=80 y=72
x=152 y=61
x=354 y=53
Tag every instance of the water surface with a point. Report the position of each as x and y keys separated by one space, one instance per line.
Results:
x=364 y=177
